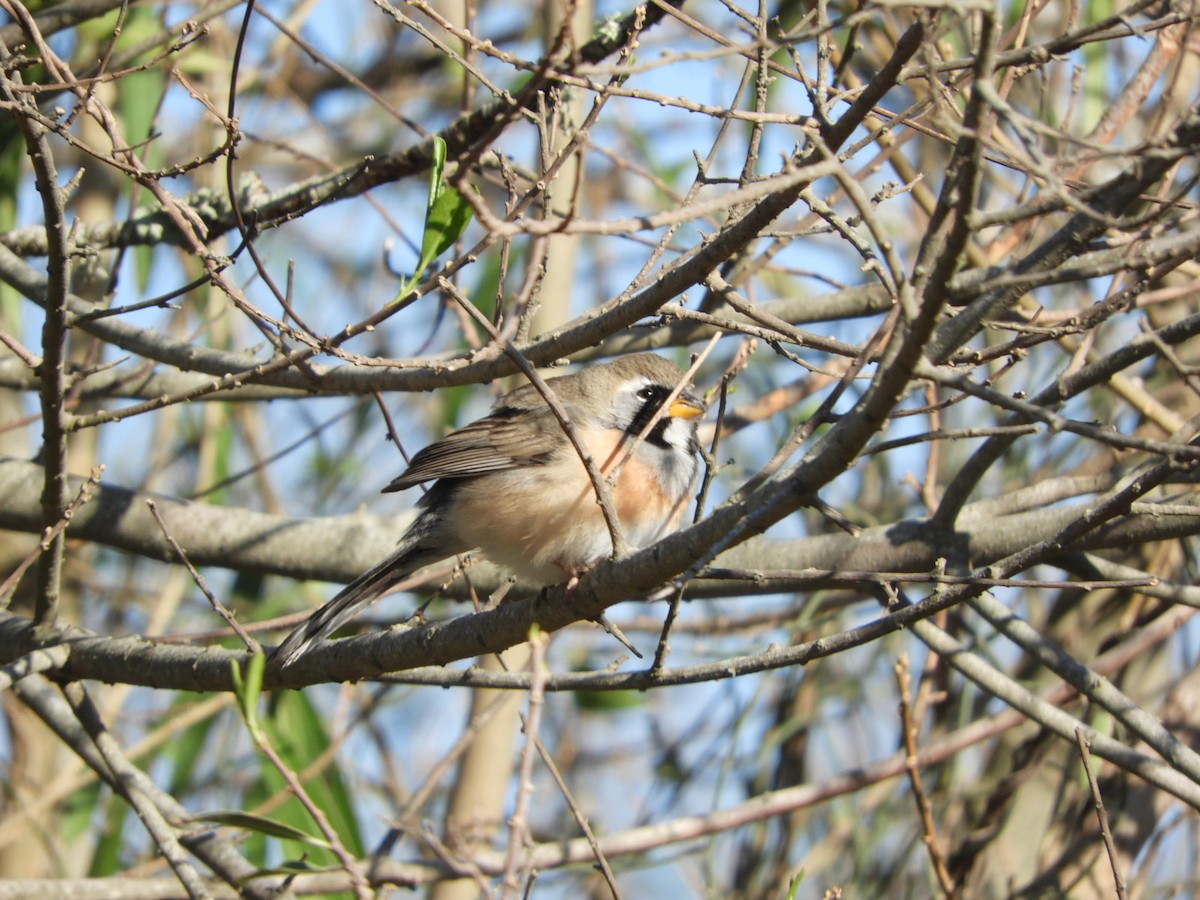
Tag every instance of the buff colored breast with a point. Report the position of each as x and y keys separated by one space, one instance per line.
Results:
x=544 y=524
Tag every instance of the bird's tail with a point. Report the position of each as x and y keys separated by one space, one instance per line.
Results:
x=368 y=587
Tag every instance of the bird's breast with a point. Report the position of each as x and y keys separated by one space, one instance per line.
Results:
x=543 y=522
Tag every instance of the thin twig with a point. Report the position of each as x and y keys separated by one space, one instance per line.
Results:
x=908 y=730
x=83 y=495
x=19 y=350
x=354 y=871
x=230 y=619
x=580 y=819
x=519 y=829
x=1101 y=813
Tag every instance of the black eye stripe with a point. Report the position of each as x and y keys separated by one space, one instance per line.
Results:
x=652 y=397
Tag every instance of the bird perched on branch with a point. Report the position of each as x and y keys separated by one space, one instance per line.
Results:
x=513 y=483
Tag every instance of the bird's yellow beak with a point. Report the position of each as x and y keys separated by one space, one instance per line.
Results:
x=686 y=406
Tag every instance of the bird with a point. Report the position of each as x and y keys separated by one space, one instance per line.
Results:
x=512 y=484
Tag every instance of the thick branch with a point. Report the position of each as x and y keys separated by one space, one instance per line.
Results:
x=339 y=548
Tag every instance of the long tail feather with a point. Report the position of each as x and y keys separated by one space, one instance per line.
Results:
x=368 y=587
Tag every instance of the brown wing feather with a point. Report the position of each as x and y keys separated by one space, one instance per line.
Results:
x=522 y=430
x=507 y=439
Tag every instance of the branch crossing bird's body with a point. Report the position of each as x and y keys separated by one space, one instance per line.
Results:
x=513 y=485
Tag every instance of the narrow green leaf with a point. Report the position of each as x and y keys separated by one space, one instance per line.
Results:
x=248 y=688
x=607 y=701
x=1095 y=69
x=436 y=170
x=107 y=854
x=794 y=886
x=292 y=867
x=234 y=818
x=445 y=223
x=12 y=162
x=188 y=751
x=297 y=732
x=447 y=215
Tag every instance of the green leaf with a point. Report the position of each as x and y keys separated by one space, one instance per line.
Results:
x=248 y=689
x=794 y=885
x=186 y=752
x=107 y=855
x=1095 y=69
x=445 y=222
x=606 y=701
x=12 y=162
x=291 y=867
x=139 y=98
x=437 y=168
x=93 y=818
x=447 y=215
x=234 y=818
x=298 y=734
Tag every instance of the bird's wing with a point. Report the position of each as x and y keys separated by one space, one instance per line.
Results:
x=507 y=439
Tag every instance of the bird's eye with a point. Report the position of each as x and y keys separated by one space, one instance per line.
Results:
x=647 y=393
